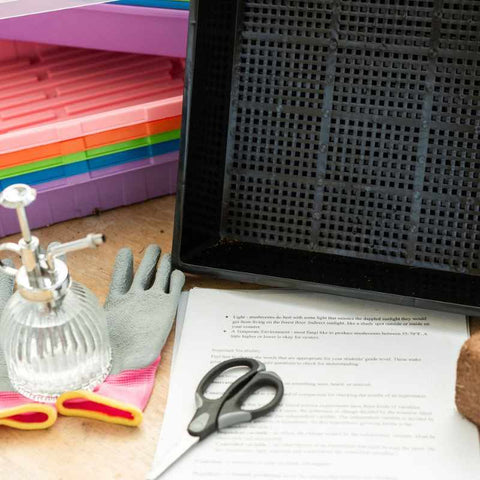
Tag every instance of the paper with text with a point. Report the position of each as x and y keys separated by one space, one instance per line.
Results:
x=19 y=8
x=369 y=389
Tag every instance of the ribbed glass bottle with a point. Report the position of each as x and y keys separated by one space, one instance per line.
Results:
x=50 y=350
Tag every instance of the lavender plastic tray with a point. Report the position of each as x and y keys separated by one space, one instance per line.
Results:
x=122 y=28
x=95 y=191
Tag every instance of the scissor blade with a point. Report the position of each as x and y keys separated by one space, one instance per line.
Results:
x=183 y=446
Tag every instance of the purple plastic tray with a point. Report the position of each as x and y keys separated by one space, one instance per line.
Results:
x=104 y=189
x=122 y=28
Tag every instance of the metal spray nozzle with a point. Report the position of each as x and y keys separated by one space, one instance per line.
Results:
x=40 y=270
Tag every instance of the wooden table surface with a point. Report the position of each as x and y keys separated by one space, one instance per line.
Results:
x=76 y=448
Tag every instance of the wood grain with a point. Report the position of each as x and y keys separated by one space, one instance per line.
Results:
x=79 y=448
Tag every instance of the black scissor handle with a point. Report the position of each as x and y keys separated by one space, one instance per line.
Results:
x=204 y=421
x=254 y=366
x=232 y=412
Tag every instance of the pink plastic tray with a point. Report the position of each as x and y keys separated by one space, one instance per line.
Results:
x=52 y=94
x=154 y=31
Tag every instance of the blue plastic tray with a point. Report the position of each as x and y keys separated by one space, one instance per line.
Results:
x=34 y=178
x=177 y=5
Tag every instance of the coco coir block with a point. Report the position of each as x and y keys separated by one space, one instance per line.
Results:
x=467 y=395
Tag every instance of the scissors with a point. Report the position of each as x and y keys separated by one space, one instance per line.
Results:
x=225 y=411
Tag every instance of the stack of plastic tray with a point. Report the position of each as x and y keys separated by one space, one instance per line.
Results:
x=92 y=130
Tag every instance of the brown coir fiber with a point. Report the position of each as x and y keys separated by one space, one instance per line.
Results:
x=467 y=395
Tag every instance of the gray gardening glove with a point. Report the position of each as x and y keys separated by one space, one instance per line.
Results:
x=140 y=311
x=16 y=411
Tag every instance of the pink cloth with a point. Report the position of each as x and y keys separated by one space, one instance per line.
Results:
x=120 y=399
x=38 y=414
x=131 y=386
x=12 y=399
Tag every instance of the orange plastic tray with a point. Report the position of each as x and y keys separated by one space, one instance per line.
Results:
x=88 y=142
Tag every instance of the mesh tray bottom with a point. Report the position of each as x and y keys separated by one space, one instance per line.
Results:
x=355 y=130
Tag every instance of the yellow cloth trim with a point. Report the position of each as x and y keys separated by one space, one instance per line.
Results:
x=28 y=408
x=136 y=413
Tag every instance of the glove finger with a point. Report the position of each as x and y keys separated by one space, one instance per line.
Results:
x=177 y=281
x=163 y=273
x=122 y=274
x=146 y=271
x=6 y=284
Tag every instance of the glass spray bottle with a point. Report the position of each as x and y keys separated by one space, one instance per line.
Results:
x=53 y=330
